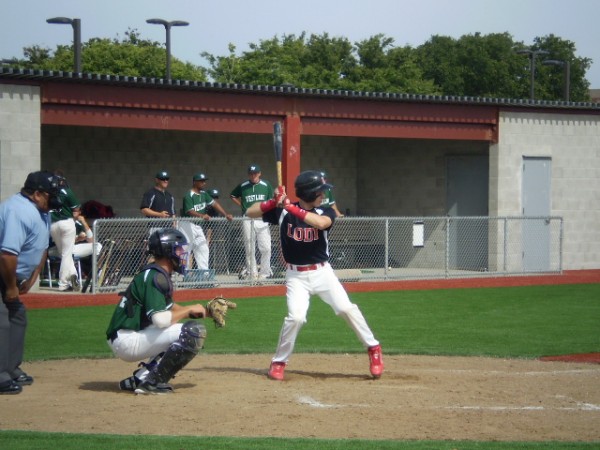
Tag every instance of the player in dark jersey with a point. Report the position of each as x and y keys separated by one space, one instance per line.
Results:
x=303 y=229
x=157 y=201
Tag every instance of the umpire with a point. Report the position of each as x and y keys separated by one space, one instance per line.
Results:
x=24 y=236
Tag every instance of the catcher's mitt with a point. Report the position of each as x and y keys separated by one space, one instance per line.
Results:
x=217 y=309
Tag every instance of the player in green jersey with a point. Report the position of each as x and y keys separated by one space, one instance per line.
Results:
x=63 y=234
x=195 y=204
x=145 y=323
x=255 y=232
x=329 y=200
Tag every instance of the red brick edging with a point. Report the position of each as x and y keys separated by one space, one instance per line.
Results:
x=55 y=300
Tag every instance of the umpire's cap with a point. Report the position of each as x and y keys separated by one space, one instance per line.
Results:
x=42 y=181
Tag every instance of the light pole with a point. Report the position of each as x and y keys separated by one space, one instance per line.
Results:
x=532 y=54
x=567 y=74
x=76 y=24
x=168 y=25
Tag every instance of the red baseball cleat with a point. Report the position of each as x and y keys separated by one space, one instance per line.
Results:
x=276 y=370
x=376 y=361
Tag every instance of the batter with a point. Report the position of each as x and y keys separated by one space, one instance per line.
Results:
x=304 y=228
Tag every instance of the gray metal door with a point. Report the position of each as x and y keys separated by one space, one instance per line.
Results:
x=467 y=195
x=537 y=176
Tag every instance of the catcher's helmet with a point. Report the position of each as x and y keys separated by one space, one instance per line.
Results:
x=214 y=193
x=309 y=183
x=170 y=243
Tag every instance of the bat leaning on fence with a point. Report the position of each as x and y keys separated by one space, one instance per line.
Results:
x=103 y=262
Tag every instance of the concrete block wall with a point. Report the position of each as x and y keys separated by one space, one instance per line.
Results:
x=573 y=144
x=19 y=136
x=406 y=177
x=337 y=157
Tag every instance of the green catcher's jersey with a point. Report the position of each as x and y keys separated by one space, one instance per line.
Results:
x=249 y=193
x=146 y=299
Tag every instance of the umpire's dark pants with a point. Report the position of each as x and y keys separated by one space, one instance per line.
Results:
x=13 y=324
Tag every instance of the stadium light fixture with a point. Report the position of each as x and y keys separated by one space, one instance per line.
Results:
x=168 y=25
x=76 y=24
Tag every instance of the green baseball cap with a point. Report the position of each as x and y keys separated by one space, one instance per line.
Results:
x=200 y=177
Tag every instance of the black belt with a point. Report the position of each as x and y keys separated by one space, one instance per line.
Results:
x=114 y=335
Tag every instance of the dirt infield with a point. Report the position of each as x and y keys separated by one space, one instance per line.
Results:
x=323 y=396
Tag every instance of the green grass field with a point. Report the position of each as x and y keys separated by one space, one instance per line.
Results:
x=515 y=322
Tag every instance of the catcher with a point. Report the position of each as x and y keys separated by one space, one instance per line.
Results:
x=145 y=323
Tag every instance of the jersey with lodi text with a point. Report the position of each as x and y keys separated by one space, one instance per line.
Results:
x=301 y=244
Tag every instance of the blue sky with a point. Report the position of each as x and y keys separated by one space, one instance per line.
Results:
x=215 y=24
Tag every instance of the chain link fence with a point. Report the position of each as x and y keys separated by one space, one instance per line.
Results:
x=361 y=249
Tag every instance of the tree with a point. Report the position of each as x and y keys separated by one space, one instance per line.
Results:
x=550 y=79
x=474 y=65
x=316 y=62
x=131 y=56
x=488 y=66
x=385 y=68
x=325 y=62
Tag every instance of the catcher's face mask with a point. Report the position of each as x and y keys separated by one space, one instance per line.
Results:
x=179 y=258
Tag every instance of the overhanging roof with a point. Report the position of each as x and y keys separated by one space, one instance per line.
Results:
x=135 y=102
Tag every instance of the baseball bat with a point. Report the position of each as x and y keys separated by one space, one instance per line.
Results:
x=277 y=145
x=105 y=265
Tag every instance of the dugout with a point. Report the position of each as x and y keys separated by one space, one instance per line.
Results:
x=387 y=154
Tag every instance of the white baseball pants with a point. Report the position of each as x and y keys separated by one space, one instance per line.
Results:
x=324 y=283
x=133 y=345
x=256 y=232
x=63 y=235
x=198 y=245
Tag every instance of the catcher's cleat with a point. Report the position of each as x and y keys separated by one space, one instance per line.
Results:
x=150 y=388
x=276 y=370
x=375 y=361
x=128 y=384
